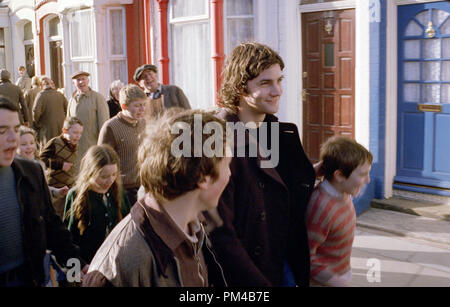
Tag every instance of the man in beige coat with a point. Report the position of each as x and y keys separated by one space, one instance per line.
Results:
x=49 y=112
x=91 y=108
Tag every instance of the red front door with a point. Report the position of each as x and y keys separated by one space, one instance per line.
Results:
x=328 y=77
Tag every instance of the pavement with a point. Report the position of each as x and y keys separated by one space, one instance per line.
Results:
x=393 y=249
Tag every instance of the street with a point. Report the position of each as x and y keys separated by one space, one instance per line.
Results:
x=403 y=261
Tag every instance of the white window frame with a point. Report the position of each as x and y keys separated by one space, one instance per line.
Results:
x=228 y=49
x=78 y=59
x=186 y=20
x=116 y=57
x=190 y=18
x=48 y=39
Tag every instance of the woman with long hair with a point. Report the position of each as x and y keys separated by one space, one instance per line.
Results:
x=97 y=202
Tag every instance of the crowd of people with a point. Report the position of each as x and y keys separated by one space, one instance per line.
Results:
x=99 y=181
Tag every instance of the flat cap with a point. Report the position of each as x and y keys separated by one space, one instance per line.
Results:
x=141 y=69
x=4 y=74
x=80 y=73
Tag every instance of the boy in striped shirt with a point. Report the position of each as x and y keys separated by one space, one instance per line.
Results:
x=330 y=217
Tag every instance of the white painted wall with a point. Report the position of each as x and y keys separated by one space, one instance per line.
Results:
x=20 y=12
x=5 y=23
x=290 y=50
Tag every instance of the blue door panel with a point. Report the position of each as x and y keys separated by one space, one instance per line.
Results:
x=423 y=151
x=413 y=130
x=442 y=141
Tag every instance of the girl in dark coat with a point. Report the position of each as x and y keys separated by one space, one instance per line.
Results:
x=97 y=202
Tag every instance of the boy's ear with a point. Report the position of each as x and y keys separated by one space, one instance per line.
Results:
x=64 y=130
x=204 y=182
x=339 y=176
x=123 y=106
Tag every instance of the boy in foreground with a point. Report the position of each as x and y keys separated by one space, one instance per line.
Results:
x=330 y=217
x=162 y=242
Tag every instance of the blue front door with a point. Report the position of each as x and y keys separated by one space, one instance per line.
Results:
x=423 y=152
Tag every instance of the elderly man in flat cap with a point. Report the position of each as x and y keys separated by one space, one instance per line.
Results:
x=168 y=96
x=91 y=108
x=14 y=94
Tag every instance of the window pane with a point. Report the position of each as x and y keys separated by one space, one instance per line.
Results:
x=431 y=48
x=239 y=7
x=411 y=92
x=431 y=71
x=423 y=17
x=84 y=66
x=81 y=36
x=2 y=37
x=186 y=8
x=412 y=49
x=117 y=31
x=27 y=31
x=54 y=27
x=446 y=48
x=446 y=71
x=446 y=93
x=2 y=57
x=191 y=47
x=445 y=28
x=431 y=93
x=412 y=71
x=238 y=31
x=439 y=16
x=119 y=71
x=413 y=29
x=329 y=55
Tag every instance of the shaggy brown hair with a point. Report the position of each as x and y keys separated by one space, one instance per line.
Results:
x=344 y=154
x=245 y=63
x=167 y=176
x=130 y=93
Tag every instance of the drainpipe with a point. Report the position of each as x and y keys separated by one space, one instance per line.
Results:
x=218 y=55
x=164 y=59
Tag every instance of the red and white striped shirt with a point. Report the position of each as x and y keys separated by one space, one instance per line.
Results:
x=331 y=222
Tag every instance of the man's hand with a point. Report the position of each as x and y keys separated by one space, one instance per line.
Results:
x=66 y=166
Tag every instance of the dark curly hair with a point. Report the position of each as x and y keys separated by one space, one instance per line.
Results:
x=245 y=63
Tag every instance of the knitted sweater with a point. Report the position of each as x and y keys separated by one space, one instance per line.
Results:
x=57 y=151
x=331 y=222
x=124 y=137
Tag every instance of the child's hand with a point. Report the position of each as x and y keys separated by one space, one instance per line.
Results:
x=63 y=191
x=317 y=168
x=66 y=166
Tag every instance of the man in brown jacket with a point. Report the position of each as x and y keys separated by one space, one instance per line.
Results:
x=168 y=95
x=162 y=242
x=14 y=94
x=49 y=112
